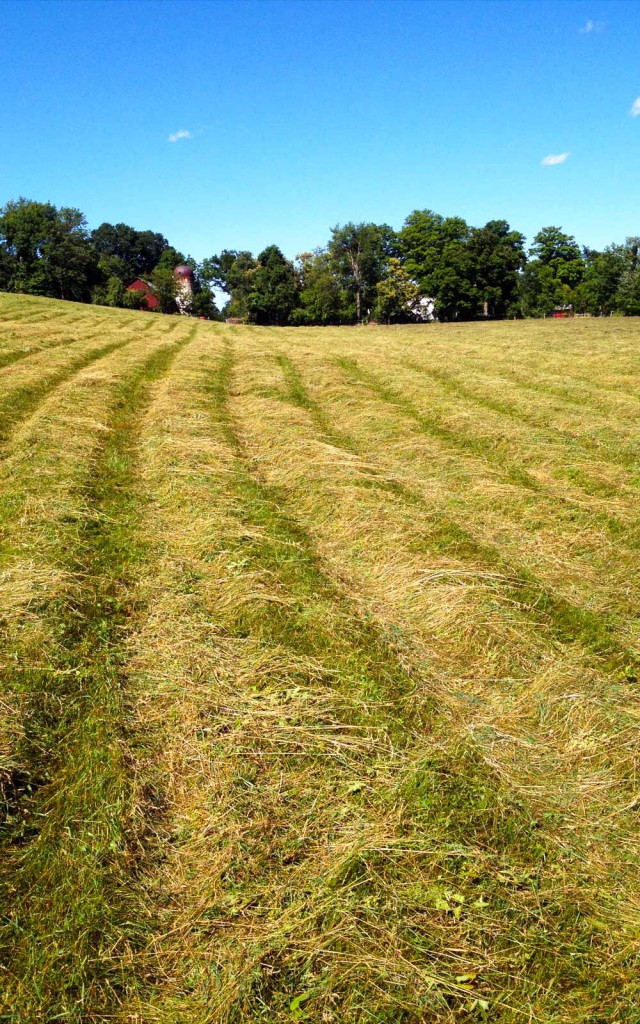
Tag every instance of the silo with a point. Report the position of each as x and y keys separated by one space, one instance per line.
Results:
x=184 y=288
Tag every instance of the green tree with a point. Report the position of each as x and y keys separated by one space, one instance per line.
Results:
x=603 y=276
x=627 y=296
x=204 y=304
x=136 y=252
x=134 y=300
x=113 y=266
x=359 y=255
x=171 y=297
x=436 y=254
x=561 y=253
x=497 y=256
x=216 y=270
x=539 y=292
x=397 y=295
x=171 y=258
x=553 y=248
x=553 y=275
x=7 y=267
x=234 y=273
x=46 y=251
x=114 y=292
x=165 y=288
x=274 y=292
x=321 y=298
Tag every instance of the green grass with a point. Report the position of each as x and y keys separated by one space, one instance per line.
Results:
x=321 y=672
x=71 y=822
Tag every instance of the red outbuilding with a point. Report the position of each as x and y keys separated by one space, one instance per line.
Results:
x=143 y=286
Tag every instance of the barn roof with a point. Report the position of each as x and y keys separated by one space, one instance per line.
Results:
x=140 y=285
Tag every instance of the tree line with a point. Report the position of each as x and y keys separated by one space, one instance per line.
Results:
x=50 y=251
x=433 y=267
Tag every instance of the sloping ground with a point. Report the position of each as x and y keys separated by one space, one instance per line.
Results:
x=320 y=653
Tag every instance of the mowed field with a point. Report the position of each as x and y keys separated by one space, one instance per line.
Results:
x=321 y=671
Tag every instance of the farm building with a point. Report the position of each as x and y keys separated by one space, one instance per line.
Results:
x=143 y=286
x=184 y=288
x=562 y=312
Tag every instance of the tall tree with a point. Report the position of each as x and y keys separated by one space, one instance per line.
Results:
x=497 y=255
x=359 y=253
x=603 y=275
x=171 y=258
x=561 y=253
x=232 y=272
x=165 y=288
x=274 y=292
x=216 y=270
x=137 y=251
x=321 y=297
x=46 y=251
x=204 y=303
x=437 y=256
x=398 y=295
x=553 y=274
x=538 y=291
x=627 y=297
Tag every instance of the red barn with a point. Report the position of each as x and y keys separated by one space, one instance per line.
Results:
x=143 y=286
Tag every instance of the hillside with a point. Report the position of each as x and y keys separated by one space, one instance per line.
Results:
x=321 y=670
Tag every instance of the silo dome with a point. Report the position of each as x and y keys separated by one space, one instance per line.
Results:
x=183 y=271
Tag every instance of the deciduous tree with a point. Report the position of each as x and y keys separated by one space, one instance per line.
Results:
x=359 y=254
x=627 y=297
x=274 y=292
x=46 y=251
x=603 y=275
x=436 y=254
x=165 y=288
x=497 y=257
x=321 y=298
x=137 y=252
x=397 y=295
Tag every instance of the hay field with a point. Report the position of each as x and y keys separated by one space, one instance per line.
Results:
x=321 y=671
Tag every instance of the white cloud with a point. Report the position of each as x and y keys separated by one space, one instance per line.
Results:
x=182 y=134
x=554 y=158
x=635 y=108
x=591 y=26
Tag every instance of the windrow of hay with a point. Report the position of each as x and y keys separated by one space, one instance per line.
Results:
x=67 y=545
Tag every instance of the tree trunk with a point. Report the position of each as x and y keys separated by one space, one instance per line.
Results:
x=355 y=270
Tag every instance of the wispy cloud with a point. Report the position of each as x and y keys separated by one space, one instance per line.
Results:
x=556 y=158
x=635 y=108
x=182 y=134
x=591 y=26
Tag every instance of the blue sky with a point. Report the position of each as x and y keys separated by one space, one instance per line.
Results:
x=304 y=114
